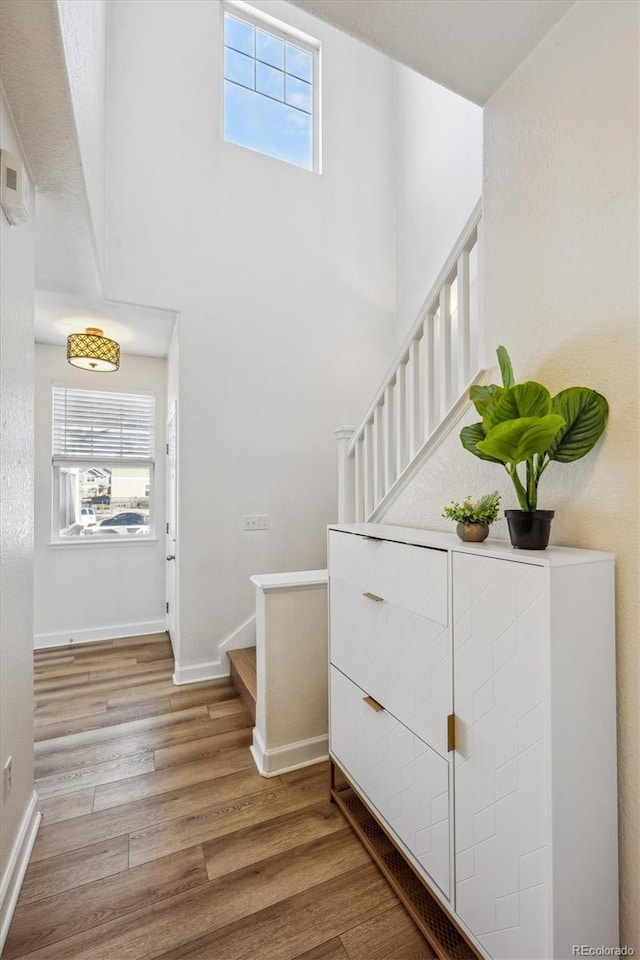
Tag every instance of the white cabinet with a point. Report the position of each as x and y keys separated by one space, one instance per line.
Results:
x=514 y=830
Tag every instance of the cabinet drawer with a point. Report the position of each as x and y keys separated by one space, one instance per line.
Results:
x=409 y=576
x=400 y=658
x=402 y=778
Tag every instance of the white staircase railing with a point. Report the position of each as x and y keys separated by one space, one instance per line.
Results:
x=423 y=394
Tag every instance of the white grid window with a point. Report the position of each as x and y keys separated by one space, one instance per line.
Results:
x=271 y=94
x=103 y=446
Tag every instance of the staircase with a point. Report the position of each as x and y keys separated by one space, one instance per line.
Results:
x=424 y=393
x=243 y=675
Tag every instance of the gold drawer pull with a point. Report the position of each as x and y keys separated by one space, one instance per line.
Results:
x=370 y=702
x=374 y=596
x=451 y=732
x=370 y=539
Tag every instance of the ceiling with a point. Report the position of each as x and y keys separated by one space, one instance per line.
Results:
x=145 y=331
x=469 y=46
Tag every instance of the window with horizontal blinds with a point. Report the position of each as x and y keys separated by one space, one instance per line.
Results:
x=96 y=425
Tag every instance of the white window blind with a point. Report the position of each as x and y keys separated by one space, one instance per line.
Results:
x=94 y=424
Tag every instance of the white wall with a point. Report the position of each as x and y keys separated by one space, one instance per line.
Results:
x=16 y=514
x=84 y=34
x=86 y=590
x=284 y=280
x=438 y=157
x=561 y=275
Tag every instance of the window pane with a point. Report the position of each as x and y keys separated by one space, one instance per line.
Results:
x=254 y=121
x=269 y=81
x=299 y=94
x=269 y=49
x=238 y=35
x=299 y=63
x=238 y=68
x=109 y=501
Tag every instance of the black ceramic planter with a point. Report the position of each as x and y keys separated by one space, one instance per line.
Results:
x=529 y=530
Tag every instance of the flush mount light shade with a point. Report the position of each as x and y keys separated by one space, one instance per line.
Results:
x=91 y=351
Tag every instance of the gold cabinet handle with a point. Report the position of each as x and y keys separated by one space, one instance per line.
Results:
x=370 y=702
x=451 y=732
x=374 y=596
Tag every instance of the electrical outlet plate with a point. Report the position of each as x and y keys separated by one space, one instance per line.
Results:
x=256 y=521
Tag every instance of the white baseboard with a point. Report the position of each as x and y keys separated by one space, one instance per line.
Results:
x=17 y=865
x=293 y=756
x=95 y=634
x=241 y=638
x=196 y=672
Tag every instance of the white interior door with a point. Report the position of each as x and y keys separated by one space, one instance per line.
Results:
x=171 y=535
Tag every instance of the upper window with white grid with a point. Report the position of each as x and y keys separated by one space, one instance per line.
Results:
x=270 y=90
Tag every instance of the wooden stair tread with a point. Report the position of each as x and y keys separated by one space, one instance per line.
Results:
x=243 y=674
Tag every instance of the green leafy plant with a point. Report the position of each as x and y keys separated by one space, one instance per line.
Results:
x=523 y=426
x=484 y=510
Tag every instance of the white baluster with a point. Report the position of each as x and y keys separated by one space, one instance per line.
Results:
x=378 y=456
x=367 y=452
x=445 y=349
x=359 y=482
x=415 y=404
x=430 y=387
x=388 y=439
x=402 y=447
x=346 y=477
x=464 y=313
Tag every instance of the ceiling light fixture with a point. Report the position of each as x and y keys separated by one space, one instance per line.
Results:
x=92 y=351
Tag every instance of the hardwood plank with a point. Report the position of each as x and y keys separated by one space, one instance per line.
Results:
x=220 y=819
x=61 y=682
x=83 y=908
x=96 y=860
x=60 y=728
x=190 y=697
x=237 y=734
x=67 y=806
x=227 y=762
x=174 y=921
x=116 y=731
x=331 y=950
x=53 y=762
x=142 y=814
x=90 y=776
x=258 y=842
x=68 y=709
x=391 y=934
x=300 y=923
x=167 y=688
x=226 y=708
x=77 y=665
x=117 y=685
x=73 y=647
x=145 y=640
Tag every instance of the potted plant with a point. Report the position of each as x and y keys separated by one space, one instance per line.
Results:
x=525 y=429
x=473 y=517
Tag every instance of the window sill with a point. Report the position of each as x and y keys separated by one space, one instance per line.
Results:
x=83 y=542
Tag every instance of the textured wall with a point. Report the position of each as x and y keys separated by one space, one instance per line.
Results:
x=561 y=292
x=16 y=511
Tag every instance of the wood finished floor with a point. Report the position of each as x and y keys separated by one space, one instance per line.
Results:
x=160 y=840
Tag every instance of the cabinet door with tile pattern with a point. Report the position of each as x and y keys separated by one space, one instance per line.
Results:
x=501 y=785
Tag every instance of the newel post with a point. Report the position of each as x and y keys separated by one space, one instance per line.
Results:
x=346 y=476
